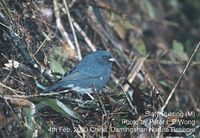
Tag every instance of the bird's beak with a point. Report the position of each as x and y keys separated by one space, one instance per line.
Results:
x=112 y=59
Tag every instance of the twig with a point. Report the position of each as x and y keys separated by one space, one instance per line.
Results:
x=87 y=40
x=28 y=96
x=179 y=79
x=13 y=90
x=72 y=3
x=137 y=67
x=152 y=80
x=128 y=99
x=36 y=95
x=60 y=26
x=176 y=84
x=47 y=38
x=12 y=111
x=73 y=31
x=100 y=101
x=10 y=72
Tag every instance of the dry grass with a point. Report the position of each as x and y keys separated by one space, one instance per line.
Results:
x=154 y=88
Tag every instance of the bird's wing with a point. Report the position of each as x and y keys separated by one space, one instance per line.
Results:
x=80 y=76
x=74 y=76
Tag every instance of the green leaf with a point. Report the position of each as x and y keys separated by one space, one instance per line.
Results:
x=130 y=95
x=39 y=85
x=140 y=47
x=58 y=59
x=29 y=121
x=148 y=8
x=59 y=107
x=56 y=67
x=127 y=24
x=178 y=51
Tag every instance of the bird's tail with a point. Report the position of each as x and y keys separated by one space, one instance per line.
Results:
x=53 y=88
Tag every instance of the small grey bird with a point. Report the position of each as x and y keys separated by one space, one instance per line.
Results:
x=93 y=71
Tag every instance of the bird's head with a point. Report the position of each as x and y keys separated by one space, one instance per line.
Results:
x=104 y=57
